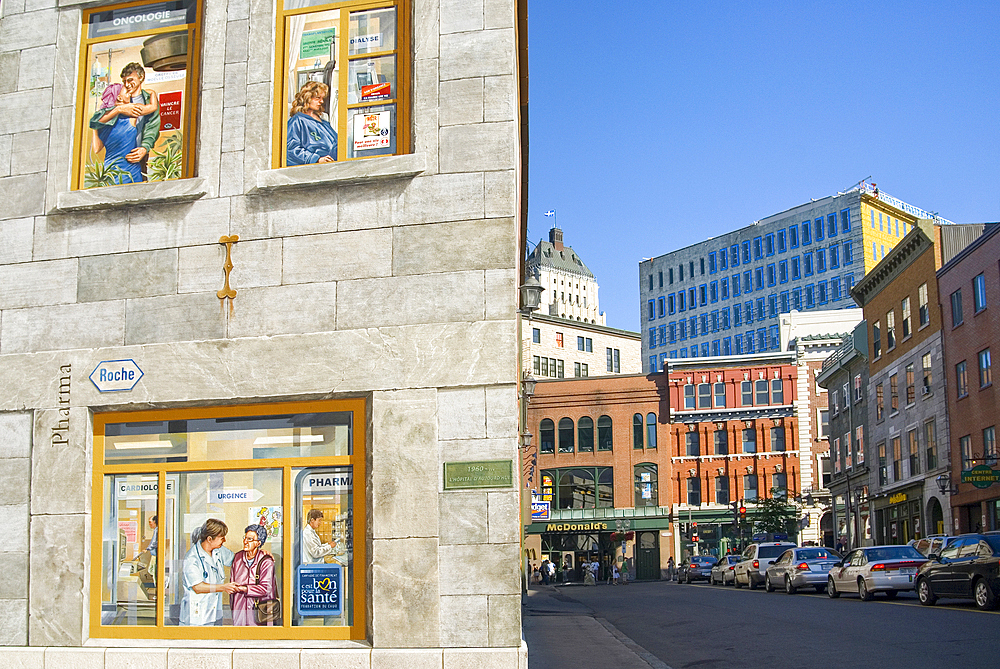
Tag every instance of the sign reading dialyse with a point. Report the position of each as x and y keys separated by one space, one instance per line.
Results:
x=482 y=474
x=318 y=590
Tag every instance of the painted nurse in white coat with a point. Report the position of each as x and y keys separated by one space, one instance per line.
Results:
x=205 y=574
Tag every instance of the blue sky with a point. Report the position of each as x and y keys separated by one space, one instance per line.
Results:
x=658 y=125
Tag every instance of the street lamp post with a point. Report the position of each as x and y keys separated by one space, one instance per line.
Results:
x=531 y=297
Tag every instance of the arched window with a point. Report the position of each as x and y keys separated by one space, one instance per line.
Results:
x=585 y=434
x=565 y=435
x=651 y=430
x=547 y=436
x=646 y=493
x=637 y=431
x=604 y=439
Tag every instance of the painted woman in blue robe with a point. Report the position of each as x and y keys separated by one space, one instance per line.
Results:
x=127 y=125
x=311 y=138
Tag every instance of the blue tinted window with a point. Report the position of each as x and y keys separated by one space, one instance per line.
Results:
x=783 y=271
x=831 y=225
x=819 y=229
x=734 y=255
x=723 y=259
x=769 y=244
x=845 y=220
x=793 y=237
x=782 y=247
x=806 y=233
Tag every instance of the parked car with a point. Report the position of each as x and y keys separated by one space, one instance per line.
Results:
x=800 y=568
x=723 y=571
x=888 y=569
x=932 y=544
x=695 y=568
x=967 y=568
x=750 y=570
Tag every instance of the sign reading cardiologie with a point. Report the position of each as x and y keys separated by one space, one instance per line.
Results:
x=319 y=590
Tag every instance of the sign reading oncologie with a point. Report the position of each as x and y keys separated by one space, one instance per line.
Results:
x=116 y=375
x=319 y=590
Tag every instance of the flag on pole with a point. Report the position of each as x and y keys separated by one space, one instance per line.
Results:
x=550 y=212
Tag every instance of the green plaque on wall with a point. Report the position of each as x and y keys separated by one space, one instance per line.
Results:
x=481 y=474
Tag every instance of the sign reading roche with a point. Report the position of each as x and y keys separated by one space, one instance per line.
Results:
x=115 y=375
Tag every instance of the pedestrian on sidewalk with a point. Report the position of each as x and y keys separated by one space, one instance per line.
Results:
x=615 y=575
x=545 y=571
x=671 y=569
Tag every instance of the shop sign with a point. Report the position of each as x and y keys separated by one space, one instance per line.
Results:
x=142 y=489
x=981 y=476
x=318 y=589
x=898 y=498
x=539 y=510
x=481 y=474
x=576 y=527
x=230 y=495
x=115 y=375
x=337 y=483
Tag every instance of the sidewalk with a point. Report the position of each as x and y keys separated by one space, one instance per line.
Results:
x=562 y=633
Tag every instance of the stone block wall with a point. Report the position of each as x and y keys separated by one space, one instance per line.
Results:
x=393 y=278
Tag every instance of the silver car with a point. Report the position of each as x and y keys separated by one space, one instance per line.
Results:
x=756 y=558
x=887 y=569
x=723 y=570
x=801 y=568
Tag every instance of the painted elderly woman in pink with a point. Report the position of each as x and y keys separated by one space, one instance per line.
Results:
x=253 y=572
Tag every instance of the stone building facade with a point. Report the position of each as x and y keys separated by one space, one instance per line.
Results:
x=570 y=286
x=576 y=349
x=332 y=312
x=844 y=375
x=907 y=406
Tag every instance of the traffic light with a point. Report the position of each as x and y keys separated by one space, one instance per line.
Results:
x=694 y=532
x=682 y=528
x=736 y=513
x=743 y=513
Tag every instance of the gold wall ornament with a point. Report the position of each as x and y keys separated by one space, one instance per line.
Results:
x=228 y=291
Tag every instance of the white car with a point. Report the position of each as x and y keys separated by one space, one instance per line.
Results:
x=756 y=558
x=887 y=569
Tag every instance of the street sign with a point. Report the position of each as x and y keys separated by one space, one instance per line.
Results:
x=116 y=375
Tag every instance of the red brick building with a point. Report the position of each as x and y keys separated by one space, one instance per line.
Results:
x=969 y=286
x=645 y=453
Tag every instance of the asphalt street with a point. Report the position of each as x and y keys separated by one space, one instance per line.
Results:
x=669 y=624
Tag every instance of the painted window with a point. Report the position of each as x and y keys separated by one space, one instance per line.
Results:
x=136 y=119
x=231 y=495
x=342 y=77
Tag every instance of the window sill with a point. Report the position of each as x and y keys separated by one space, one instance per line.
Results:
x=113 y=197
x=335 y=174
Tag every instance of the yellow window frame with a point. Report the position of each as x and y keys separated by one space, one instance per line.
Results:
x=191 y=88
x=357 y=631
x=401 y=97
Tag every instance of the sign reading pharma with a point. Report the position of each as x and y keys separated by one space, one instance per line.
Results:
x=116 y=375
x=318 y=589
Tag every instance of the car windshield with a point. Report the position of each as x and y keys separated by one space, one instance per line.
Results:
x=893 y=553
x=703 y=560
x=770 y=551
x=817 y=554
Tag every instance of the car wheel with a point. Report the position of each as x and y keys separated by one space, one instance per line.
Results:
x=891 y=594
x=736 y=581
x=831 y=589
x=768 y=586
x=985 y=599
x=789 y=588
x=863 y=592
x=924 y=592
x=752 y=584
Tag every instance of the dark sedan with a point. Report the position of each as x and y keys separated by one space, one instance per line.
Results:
x=695 y=568
x=967 y=568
